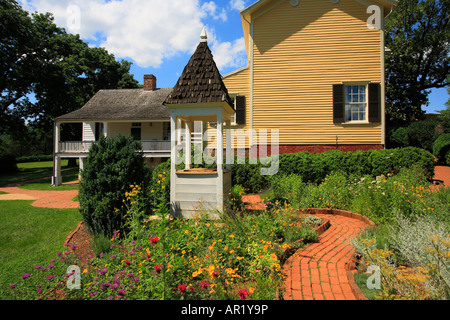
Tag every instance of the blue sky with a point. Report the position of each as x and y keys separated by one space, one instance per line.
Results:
x=159 y=36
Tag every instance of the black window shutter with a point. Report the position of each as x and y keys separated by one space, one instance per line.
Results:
x=374 y=102
x=338 y=103
x=240 y=109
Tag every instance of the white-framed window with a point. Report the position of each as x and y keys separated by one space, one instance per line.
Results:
x=233 y=101
x=356 y=103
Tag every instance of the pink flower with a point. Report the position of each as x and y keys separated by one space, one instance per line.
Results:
x=243 y=294
x=25 y=276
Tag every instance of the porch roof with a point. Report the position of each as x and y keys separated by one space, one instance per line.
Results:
x=123 y=104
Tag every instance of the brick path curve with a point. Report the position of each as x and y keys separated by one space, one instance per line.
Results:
x=319 y=271
x=43 y=199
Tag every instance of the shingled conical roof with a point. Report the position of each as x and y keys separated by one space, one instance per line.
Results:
x=200 y=81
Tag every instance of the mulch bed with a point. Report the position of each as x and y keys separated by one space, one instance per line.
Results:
x=81 y=242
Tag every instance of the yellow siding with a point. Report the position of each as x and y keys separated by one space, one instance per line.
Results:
x=299 y=53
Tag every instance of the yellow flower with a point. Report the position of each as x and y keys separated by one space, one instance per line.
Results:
x=273 y=256
x=240 y=258
x=85 y=271
x=251 y=290
x=232 y=251
x=226 y=248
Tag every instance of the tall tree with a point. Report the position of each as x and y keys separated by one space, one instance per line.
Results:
x=418 y=33
x=47 y=72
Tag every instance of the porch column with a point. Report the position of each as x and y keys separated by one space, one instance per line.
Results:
x=81 y=161
x=105 y=129
x=57 y=136
x=58 y=177
x=187 y=160
x=228 y=144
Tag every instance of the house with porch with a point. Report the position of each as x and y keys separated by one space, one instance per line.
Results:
x=315 y=73
x=136 y=112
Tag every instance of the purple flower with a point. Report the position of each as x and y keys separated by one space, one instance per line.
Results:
x=136 y=279
x=50 y=277
x=39 y=291
x=113 y=256
x=122 y=292
x=93 y=294
x=50 y=266
x=38 y=267
x=59 y=253
x=130 y=275
x=12 y=286
x=103 y=271
x=26 y=275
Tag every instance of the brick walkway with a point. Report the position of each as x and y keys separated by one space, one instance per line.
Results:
x=319 y=271
x=43 y=199
x=442 y=173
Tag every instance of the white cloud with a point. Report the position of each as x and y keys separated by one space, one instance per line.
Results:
x=147 y=31
x=238 y=4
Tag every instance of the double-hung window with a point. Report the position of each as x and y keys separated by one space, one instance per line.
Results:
x=356 y=103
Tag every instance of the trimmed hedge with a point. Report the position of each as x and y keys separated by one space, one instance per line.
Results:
x=315 y=167
x=441 y=148
x=34 y=158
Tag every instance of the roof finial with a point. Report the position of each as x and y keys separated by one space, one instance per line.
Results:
x=203 y=36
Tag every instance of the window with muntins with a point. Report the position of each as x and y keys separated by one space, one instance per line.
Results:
x=356 y=103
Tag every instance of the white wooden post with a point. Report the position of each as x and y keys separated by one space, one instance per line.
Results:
x=173 y=158
x=178 y=122
x=187 y=160
x=57 y=133
x=58 y=176
x=228 y=144
x=105 y=129
x=220 y=160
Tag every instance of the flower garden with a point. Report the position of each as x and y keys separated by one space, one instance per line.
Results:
x=148 y=255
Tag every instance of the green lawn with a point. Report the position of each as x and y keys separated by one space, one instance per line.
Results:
x=39 y=170
x=30 y=236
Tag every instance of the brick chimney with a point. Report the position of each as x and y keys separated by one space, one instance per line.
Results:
x=149 y=82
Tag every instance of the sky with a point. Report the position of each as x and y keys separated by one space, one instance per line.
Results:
x=159 y=36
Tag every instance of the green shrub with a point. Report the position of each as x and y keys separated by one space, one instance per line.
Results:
x=421 y=134
x=441 y=147
x=35 y=158
x=113 y=165
x=399 y=137
x=249 y=176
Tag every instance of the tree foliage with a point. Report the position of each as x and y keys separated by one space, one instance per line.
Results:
x=47 y=72
x=418 y=35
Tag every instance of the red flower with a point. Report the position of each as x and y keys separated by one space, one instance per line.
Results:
x=154 y=240
x=204 y=284
x=127 y=263
x=158 y=269
x=182 y=288
x=215 y=274
x=243 y=294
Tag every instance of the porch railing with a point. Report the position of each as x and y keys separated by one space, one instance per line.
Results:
x=80 y=147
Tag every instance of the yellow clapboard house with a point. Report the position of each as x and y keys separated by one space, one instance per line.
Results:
x=315 y=72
